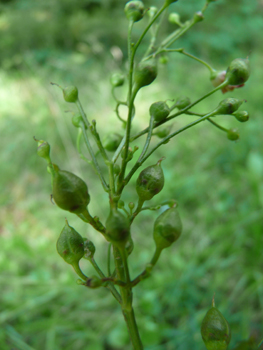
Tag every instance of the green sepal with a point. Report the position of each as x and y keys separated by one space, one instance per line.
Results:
x=215 y=330
x=167 y=228
x=70 y=94
x=238 y=71
x=70 y=245
x=69 y=191
x=150 y=182
x=159 y=111
x=117 y=228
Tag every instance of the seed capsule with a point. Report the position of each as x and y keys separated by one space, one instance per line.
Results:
x=163 y=132
x=117 y=79
x=117 y=227
x=167 y=228
x=150 y=182
x=70 y=94
x=134 y=10
x=70 y=245
x=228 y=106
x=241 y=116
x=159 y=110
x=145 y=73
x=182 y=102
x=215 y=330
x=69 y=191
x=233 y=134
x=238 y=71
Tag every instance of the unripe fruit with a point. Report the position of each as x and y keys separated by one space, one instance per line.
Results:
x=150 y=182
x=112 y=141
x=134 y=10
x=182 y=102
x=77 y=120
x=43 y=150
x=163 y=132
x=228 y=106
x=167 y=228
x=70 y=245
x=117 y=79
x=215 y=330
x=233 y=134
x=164 y=59
x=70 y=94
x=152 y=11
x=174 y=18
x=159 y=110
x=69 y=191
x=241 y=116
x=117 y=227
x=145 y=73
x=238 y=71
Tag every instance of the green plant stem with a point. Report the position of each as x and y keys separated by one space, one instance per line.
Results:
x=94 y=163
x=110 y=285
x=108 y=260
x=138 y=209
x=85 y=216
x=79 y=272
x=181 y=111
x=217 y=125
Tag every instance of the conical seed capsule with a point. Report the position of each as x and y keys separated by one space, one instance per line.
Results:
x=70 y=245
x=238 y=71
x=159 y=111
x=117 y=227
x=228 y=106
x=145 y=73
x=134 y=10
x=70 y=192
x=150 y=182
x=167 y=228
x=215 y=330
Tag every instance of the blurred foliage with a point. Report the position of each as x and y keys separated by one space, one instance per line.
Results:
x=217 y=183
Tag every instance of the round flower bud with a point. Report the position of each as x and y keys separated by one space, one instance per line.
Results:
x=70 y=94
x=117 y=79
x=228 y=106
x=117 y=228
x=43 y=150
x=69 y=191
x=145 y=73
x=70 y=245
x=238 y=71
x=241 y=116
x=159 y=110
x=112 y=141
x=215 y=330
x=182 y=102
x=233 y=134
x=167 y=228
x=150 y=182
x=134 y=10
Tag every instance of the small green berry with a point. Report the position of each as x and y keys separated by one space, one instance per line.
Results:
x=241 y=116
x=145 y=73
x=167 y=228
x=233 y=134
x=70 y=245
x=159 y=110
x=215 y=330
x=70 y=94
x=117 y=79
x=150 y=182
x=134 y=10
x=238 y=71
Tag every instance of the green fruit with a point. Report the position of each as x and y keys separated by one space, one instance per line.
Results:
x=241 y=116
x=215 y=330
x=167 y=228
x=70 y=245
x=111 y=142
x=134 y=10
x=150 y=182
x=164 y=59
x=152 y=11
x=228 y=106
x=238 y=71
x=174 y=18
x=77 y=120
x=117 y=79
x=182 y=102
x=145 y=73
x=159 y=110
x=117 y=227
x=163 y=132
x=43 y=150
x=70 y=94
x=233 y=134
x=70 y=192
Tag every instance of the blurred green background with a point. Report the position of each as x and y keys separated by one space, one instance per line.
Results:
x=217 y=183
